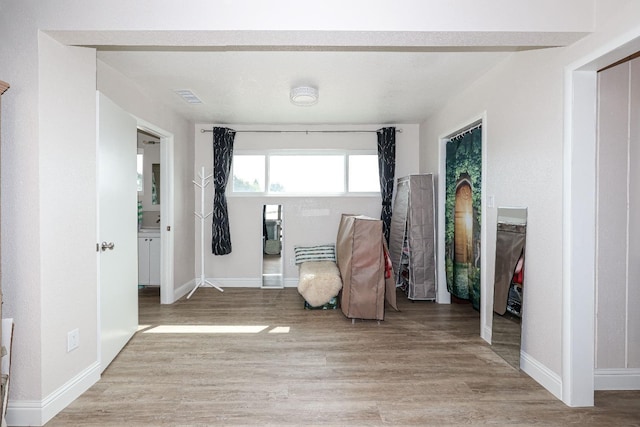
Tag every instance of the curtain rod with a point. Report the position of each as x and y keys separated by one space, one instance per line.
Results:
x=464 y=132
x=302 y=131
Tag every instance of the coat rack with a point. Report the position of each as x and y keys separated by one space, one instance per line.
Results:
x=202 y=281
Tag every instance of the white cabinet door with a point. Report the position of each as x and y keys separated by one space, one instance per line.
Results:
x=143 y=260
x=154 y=261
x=149 y=261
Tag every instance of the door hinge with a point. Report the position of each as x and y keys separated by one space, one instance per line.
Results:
x=97 y=247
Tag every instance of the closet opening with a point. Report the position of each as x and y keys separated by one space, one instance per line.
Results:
x=149 y=198
x=463 y=215
x=155 y=213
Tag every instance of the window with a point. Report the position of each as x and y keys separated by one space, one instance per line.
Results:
x=248 y=174
x=305 y=172
x=363 y=173
x=140 y=169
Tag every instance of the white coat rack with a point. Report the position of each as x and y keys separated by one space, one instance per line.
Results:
x=202 y=280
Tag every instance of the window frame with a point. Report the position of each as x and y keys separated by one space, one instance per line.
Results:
x=345 y=153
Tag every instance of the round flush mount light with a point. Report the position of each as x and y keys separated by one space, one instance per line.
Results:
x=304 y=96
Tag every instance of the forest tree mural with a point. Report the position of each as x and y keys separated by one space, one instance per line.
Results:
x=462 y=215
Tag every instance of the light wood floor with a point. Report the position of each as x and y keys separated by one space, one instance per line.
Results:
x=425 y=365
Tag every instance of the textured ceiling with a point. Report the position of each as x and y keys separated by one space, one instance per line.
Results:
x=252 y=87
x=363 y=77
x=374 y=62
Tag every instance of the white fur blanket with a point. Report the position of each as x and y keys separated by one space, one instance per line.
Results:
x=319 y=282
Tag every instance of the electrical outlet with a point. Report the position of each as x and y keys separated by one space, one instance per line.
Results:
x=73 y=340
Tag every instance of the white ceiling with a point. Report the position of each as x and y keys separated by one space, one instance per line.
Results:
x=252 y=87
x=374 y=62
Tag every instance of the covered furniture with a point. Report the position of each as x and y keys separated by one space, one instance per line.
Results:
x=412 y=237
x=360 y=251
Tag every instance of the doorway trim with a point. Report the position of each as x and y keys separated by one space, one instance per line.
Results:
x=579 y=214
x=167 y=294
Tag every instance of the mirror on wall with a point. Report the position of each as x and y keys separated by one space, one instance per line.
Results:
x=155 y=183
x=272 y=265
x=508 y=288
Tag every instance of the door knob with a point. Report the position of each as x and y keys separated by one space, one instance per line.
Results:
x=104 y=246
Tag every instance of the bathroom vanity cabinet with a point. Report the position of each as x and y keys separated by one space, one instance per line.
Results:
x=149 y=258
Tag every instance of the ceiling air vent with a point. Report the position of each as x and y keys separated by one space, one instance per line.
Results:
x=188 y=96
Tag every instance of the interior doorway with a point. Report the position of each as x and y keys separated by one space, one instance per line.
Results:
x=165 y=214
x=579 y=248
x=617 y=323
x=149 y=183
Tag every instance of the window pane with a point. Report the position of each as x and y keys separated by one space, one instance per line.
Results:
x=140 y=168
x=363 y=173
x=248 y=173
x=306 y=174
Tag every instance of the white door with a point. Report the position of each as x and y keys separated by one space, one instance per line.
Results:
x=117 y=228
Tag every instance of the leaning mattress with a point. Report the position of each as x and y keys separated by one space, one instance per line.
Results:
x=319 y=282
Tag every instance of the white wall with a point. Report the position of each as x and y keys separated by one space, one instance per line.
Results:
x=523 y=102
x=21 y=226
x=307 y=220
x=524 y=168
x=468 y=20
x=618 y=238
x=49 y=127
x=68 y=223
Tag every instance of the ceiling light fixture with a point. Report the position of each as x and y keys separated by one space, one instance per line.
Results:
x=304 y=96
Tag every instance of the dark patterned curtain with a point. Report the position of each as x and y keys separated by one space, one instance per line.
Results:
x=387 y=170
x=222 y=157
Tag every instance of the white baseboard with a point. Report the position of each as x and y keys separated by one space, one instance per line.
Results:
x=234 y=282
x=249 y=282
x=617 y=379
x=237 y=282
x=38 y=413
x=291 y=282
x=182 y=290
x=486 y=334
x=543 y=375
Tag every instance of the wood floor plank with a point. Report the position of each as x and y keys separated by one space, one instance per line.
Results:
x=423 y=365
